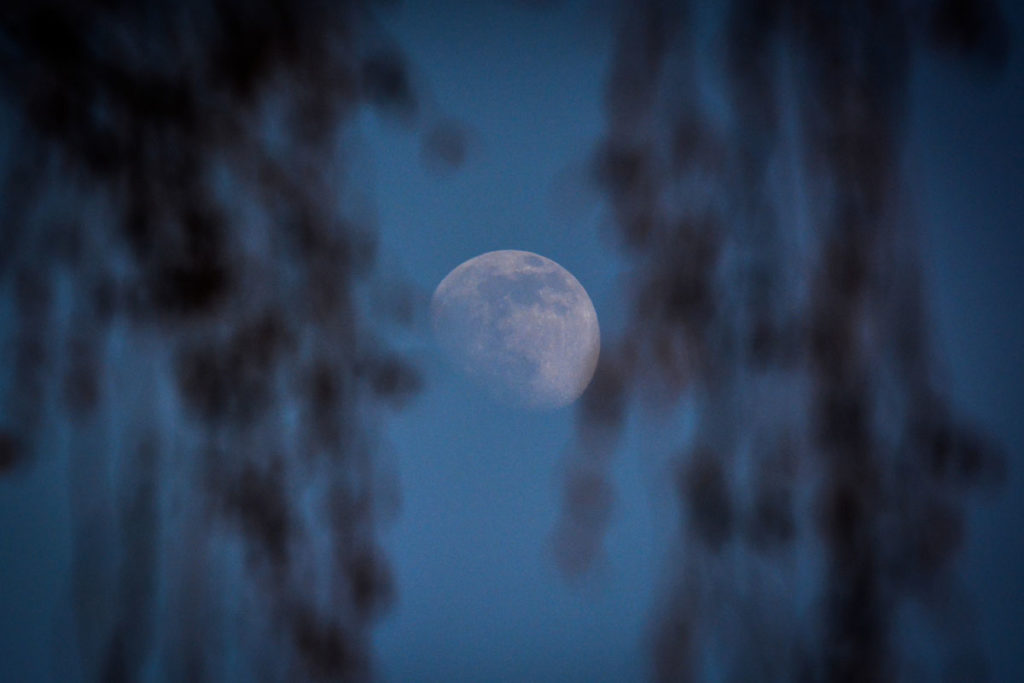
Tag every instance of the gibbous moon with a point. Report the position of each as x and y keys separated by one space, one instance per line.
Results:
x=521 y=326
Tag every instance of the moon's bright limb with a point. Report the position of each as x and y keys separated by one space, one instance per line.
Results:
x=520 y=325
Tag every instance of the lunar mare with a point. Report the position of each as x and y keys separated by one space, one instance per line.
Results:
x=521 y=326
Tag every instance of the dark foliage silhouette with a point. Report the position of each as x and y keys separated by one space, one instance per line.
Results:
x=751 y=166
x=182 y=250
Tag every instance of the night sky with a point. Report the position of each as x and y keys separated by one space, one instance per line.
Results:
x=230 y=448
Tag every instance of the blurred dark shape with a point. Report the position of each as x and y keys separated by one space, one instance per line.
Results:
x=115 y=668
x=587 y=505
x=956 y=454
x=192 y=278
x=942 y=534
x=390 y=378
x=693 y=145
x=704 y=490
x=233 y=379
x=673 y=645
x=32 y=299
x=326 y=648
x=855 y=611
x=750 y=165
x=681 y=294
x=325 y=392
x=445 y=145
x=643 y=39
x=846 y=514
x=587 y=500
x=971 y=29
x=770 y=524
x=842 y=420
x=11 y=452
x=604 y=402
x=254 y=38
x=257 y=501
x=587 y=495
x=386 y=84
x=401 y=304
x=81 y=381
x=623 y=172
x=181 y=238
x=372 y=584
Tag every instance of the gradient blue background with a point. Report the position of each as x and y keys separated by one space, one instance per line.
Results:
x=478 y=597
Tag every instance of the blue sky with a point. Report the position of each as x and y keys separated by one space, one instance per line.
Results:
x=478 y=597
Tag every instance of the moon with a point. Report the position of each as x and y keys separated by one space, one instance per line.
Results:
x=521 y=326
